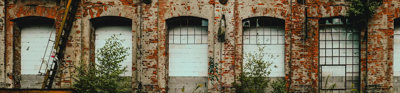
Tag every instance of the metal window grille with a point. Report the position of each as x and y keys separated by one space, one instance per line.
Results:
x=187 y=30
x=339 y=56
x=263 y=31
x=268 y=33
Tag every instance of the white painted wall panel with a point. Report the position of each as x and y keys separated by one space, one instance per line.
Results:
x=396 y=51
x=188 y=60
x=123 y=33
x=272 y=53
x=272 y=39
x=188 y=51
x=34 y=39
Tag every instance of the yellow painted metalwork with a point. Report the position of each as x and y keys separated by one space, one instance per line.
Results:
x=56 y=44
x=60 y=30
x=46 y=76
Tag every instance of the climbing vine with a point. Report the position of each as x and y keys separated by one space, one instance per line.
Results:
x=213 y=70
x=360 y=11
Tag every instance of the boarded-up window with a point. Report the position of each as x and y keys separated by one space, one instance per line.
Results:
x=188 y=48
x=34 y=45
x=268 y=33
x=396 y=49
x=122 y=33
x=339 y=55
x=188 y=54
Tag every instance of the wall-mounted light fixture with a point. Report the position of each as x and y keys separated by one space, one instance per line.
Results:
x=147 y=1
x=223 y=1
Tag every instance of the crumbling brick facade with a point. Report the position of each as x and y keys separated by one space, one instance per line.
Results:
x=149 y=32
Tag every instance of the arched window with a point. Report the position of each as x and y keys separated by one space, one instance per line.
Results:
x=268 y=33
x=35 y=36
x=188 y=53
x=339 y=55
x=105 y=27
x=34 y=39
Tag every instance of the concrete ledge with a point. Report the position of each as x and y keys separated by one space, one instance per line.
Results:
x=31 y=81
x=37 y=91
x=182 y=84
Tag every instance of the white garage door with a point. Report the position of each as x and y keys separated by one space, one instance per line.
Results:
x=188 y=51
x=123 y=33
x=34 y=39
x=396 y=51
x=272 y=39
x=262 y=32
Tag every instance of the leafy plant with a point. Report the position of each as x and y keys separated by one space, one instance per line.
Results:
x=360 y=11
x=254 y=78
x=279 y=86
x=354 y=90
x=104 y=77
x=330 y=86
x=213 y=70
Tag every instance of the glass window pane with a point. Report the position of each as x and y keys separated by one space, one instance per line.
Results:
x=184 y=39
x=177 y=39
x=204 y=39
x=335 y=44
x=190 y=39
x=322 y=44
x=197 y=39
x=191 y=30
x=253 y=40
x=342 y=45
x=335 y=60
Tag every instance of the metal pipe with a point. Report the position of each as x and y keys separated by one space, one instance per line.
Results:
x=4 y=33
x=290 y=47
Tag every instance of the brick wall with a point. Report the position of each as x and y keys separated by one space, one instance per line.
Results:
x=150 y=56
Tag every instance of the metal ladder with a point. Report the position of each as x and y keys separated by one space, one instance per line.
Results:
x=60 y=43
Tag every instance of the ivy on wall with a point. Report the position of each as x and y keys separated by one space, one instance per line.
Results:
x=360 y=11
x=213 y=70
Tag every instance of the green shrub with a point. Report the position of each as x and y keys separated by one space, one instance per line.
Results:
x=254 y=78
x=104 y=77
x=279 y=86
